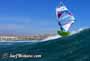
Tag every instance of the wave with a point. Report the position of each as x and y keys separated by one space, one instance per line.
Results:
x=71 y=48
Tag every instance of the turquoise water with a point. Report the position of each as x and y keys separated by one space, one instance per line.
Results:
x=71 y=48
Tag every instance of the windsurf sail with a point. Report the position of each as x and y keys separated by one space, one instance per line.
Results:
x=65 y=17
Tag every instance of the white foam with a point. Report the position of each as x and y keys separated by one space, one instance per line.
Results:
x=52 y=37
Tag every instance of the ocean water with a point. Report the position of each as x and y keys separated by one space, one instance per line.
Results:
x=71 y=48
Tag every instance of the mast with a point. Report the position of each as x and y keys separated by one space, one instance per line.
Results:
x=59 y=23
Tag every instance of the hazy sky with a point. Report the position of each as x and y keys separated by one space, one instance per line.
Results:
x=38 y=16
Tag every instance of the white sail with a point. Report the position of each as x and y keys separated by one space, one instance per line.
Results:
x=64 y=16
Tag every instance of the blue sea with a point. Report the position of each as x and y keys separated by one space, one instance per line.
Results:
x=71 y=48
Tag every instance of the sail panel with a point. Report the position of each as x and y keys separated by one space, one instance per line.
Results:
x=60 y=10
x=67 y=26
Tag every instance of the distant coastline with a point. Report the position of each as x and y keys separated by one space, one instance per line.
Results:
x=25 y=37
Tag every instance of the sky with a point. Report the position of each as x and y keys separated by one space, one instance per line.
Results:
x=38 y=16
